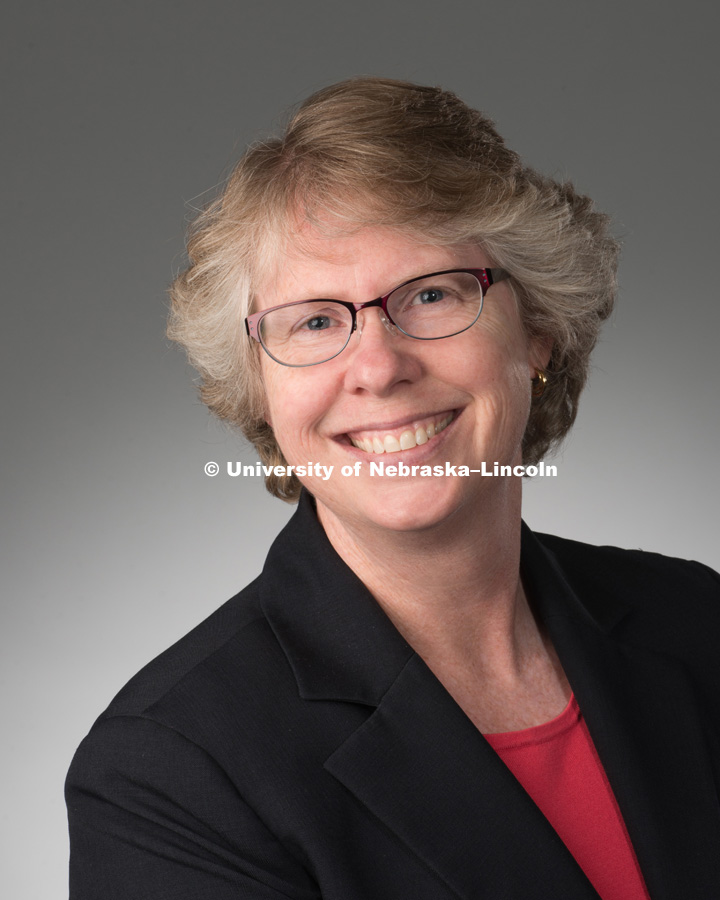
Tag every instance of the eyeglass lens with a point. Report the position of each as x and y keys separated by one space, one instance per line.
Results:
x=437 y=306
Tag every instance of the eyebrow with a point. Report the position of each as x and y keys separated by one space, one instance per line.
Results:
x=400 y=283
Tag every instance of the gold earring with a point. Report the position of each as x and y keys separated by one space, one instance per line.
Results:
x=538 y=383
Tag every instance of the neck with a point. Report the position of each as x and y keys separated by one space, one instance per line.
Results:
x=454 y=592
x=451 y=587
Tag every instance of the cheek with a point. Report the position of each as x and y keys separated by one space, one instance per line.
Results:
x=501 y=385
x=268 y=399
x=500 y=362
x=278 y=412
x=295 y=401
x=280 y=384
x=505 y=405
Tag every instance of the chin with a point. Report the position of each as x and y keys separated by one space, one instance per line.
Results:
x=408 y=505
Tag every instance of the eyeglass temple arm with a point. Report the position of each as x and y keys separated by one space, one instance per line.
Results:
x=495 y=275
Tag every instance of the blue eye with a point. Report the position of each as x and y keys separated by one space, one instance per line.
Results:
x=432 y=295
x=318 y=323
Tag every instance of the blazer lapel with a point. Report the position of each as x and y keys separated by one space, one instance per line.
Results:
x=424 y=770
x=642 y=713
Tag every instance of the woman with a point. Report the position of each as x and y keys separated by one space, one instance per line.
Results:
x=418 y=698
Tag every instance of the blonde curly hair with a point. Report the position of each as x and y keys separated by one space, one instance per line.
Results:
x=378 y=152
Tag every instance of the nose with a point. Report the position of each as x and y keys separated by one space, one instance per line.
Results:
x=379 y=357
x=363 y=313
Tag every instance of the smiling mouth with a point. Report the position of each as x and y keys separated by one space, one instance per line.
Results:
x=403 y=438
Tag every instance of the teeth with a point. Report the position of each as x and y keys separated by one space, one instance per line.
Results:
x=406 y=441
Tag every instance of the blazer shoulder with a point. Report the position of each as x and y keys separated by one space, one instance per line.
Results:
x=630 y=567
x=673 y=602
x=236 y=621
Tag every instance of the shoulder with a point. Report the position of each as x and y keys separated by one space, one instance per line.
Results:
x=669 y=601
x=179 y=767
x=628 y=568
x=233 y=686
x=221 y=700
x=237 y=628
x=160 y=792
x=228 y=691
x=228 y=678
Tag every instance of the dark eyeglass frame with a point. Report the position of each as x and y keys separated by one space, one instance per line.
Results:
x=485 y=277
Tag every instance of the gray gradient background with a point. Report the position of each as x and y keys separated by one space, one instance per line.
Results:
x=117 y=118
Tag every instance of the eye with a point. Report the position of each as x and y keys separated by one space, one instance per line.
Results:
x=435 y=306
x=316 y=319
x=427 y=296
x=317 y=323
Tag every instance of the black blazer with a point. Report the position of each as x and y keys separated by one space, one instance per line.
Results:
x=294 y=746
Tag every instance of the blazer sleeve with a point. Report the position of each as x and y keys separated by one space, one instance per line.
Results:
x=153 y=816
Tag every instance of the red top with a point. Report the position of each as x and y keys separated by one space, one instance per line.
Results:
x=558 y=766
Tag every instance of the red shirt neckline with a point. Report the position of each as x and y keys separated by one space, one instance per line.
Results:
x=537 y=734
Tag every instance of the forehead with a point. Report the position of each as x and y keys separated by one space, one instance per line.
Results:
x=357 y=264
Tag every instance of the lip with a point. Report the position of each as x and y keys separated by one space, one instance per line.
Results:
x=417 y=453
x=414 y=420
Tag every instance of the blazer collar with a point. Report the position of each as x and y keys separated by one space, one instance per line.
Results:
x=337 y=638
x=552 y=595
x=419 y=764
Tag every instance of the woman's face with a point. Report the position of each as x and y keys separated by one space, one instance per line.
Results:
x=476 y=384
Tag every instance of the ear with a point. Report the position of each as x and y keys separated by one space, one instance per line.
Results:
x=539 y=352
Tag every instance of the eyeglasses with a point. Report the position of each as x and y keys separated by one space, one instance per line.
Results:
x=435 y=306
